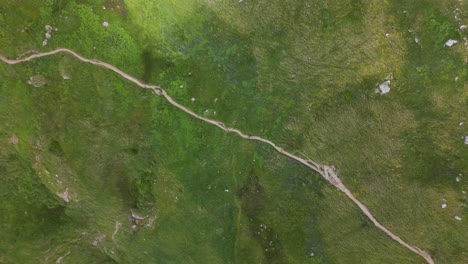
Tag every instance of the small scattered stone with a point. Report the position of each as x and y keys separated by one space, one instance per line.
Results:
x=458 y=218
x=457 y=179
x=105 y=24
x=193 y=99
x=384 y=87
x=60 y=259
x=387 y=35
x=443 y=205
x=44 y=42
x=181 y=86
x=98 y=239
x=14 y=140
x=466 y=140
x=47 y=35
x=462 y=27
x=450 y=42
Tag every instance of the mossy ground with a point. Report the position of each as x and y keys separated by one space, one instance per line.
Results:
x=301 y=73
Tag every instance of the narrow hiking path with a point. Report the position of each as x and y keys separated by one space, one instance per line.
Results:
x=327 y=172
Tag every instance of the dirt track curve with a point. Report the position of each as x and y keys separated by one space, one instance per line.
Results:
x=328 y=172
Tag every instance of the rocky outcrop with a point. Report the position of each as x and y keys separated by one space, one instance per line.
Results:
x=37 y=80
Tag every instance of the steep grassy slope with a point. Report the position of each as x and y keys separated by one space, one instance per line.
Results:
x=302 y=73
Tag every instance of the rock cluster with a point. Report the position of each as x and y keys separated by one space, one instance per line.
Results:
x=37 y=80
x=48 y=34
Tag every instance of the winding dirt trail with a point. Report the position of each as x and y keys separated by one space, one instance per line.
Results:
x=327 y=172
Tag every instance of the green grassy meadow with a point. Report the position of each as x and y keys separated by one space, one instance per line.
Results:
x=300 y=73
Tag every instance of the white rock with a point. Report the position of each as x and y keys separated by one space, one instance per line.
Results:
x=443 y=205
x=47 y=35
x=48 y=28
x=181 y=86
x=193 y=99
x=458 y=218
x=460 y=124
x=462 y=27
x=105 y=24
x=387 y=35
x=227 y=190
x=44 y=42
x=457 y=179
x=450 y=42
x=64 y=195
x=416 y=39
x=466 y=140
x=384 y=87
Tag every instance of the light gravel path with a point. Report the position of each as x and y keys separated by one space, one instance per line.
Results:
x=327 y=172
